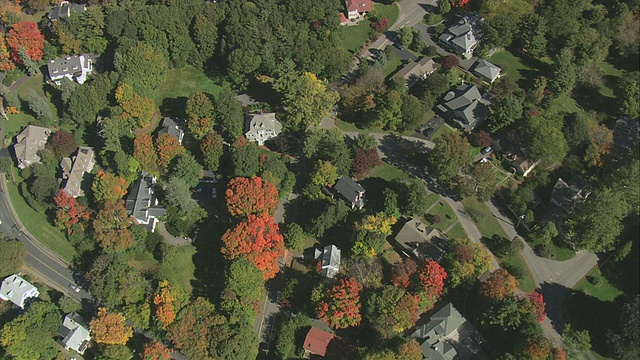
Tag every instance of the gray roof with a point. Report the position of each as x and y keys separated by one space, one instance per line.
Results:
x=17 y=290
x=70 y=65
x=330 y=256
x=266 y=122
x=486 y=70
x=459 y=28
x=64 y=9
x=421 y=240
x=433 y=335
x=141 y=199
x=30 y=140
x=466 y=41
x=350 y=189
x=424 y=66
x=74 y=333
x=170 y=126
x=567 y=196
x=465 y=104
x=73 y=170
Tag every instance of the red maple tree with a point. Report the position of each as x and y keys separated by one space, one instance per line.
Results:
x=431 y=277
x=156 y=351
x=341 y=307
x=251 y=196
x=364 y=161
x=69 y=211
x=402 y=273
x=461 y=3
x=482 y=139
x=499 y=285
x=26 y=35
x=537 y=301
x=259 y=239
x=450 y=61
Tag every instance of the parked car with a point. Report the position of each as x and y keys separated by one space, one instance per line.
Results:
x=74 y=287
x=214 y=193
x=486 y=150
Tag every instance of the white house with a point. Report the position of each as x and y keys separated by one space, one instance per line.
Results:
x=74 y=333
x=142 y=203
x=262 y=127
x=76 y=67
x=17 y=290
x=330 y=258
x=357 y=9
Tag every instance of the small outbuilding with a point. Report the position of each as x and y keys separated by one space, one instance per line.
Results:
x=329 y=256
x=486 y=71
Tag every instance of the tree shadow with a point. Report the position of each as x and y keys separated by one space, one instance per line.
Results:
x=588 y=313
x=208 y=261
x=555 y=296
x=375 y=192
x=589 y=98
x=174 y=107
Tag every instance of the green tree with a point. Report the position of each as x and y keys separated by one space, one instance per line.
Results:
x=245 y=158
x=546 y=140
x=229 y=114
x=406 y=35
x=531 y=38
x=413 y=112
x=141 y=66
x=575 y=342
x=627 y=93
x=115 y=283
x=450 y=155
x=565 y=74
x=294 y=237
x=114 y=352
x=329 y=145
x=28 y=336
x=243 y=291
x=212 y=150
x=306 y=99
x=391 y=310
x=178 y=195
x=505 y=112
x=187 y=168
x=413 y=196
x=40 y=106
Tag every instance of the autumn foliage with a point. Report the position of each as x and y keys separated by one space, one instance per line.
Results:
x=482 y=139
x=107 y=186
x=110 y=328
x=145 y=152
x=341 y=308
x=156 y=351
x=62 y=143
x=364 y=161
x=134 y=106
x=402 y=273
x=259 y=239
x=499 y=285
x=538 y=305
x=431 y=277
x=164 y=304
x=69 y=211
x=112 y=226
x=167 y=148
x=26 y=35
x=251 y=196
x=6 y=63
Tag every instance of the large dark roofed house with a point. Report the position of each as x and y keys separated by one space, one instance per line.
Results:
x=351 y=191
x=30 y=140
x=76 y=67
x=170 y=126
x=64 y=10
x=73 y=170
x=142 y=203
x=418 y=240
x=316 y=342
x=465 y=106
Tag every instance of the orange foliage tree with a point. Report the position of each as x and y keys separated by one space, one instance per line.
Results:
x=259 y=239
x=402 y=273
x=108 y=187
x=167 y=148
x=431 y=277
x=134 y=106
x=499 y=285
x=536 y=303
x=251 y=196
x=110 y=328
x=410 y=350
x=164 y=304
x=341 y=307
x=69 y=211
x=145 y=152
x=26 y=35
x=156 y=351
x=112 y=227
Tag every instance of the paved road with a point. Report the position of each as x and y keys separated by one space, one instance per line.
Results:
x=44 y=265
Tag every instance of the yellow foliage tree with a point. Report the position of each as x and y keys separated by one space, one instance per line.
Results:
x=134 y=106
x=379 y=223
x=164 y=303
x=110 y=328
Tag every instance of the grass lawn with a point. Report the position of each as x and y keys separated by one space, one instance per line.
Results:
x=431 y=199
x=38 y=225
x=35 y=83
x=485 y=221
x=511 y=63
x=517 y=262
x=564 y=104
x=457 y=232
x=390 y=255
x=354 y=36
x=180 y=271
x=389 y=173
x=596 y=285
x=610 y=72
x=393 y=64
x=447 y=216
x=16 y=123
x=184 y=82
x=433 y=19
x=443 y=129
x=346 y=126
x=388 y=11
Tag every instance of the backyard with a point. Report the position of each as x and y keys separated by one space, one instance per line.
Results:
x=354 y=36
x=184 y=82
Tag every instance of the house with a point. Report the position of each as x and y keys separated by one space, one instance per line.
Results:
x=31 y=140
x=17 y=290
x=329 y=256
x=465 y=106
x=351 y=191
x=64 y=10
x=262 y=127
x=316 y=342
x=520 y=163
x=170 y=126
x=357 y=9
x=567 y=196
x=421 y=241
x=73 y=170
x=461 y=37
x=486 y=70
x=448 y=335
x=625 y=136
x=142 y=203
x=416 y=70
x=74 y=333
x=76 y=67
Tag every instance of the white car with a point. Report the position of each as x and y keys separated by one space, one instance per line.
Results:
x=74 y=287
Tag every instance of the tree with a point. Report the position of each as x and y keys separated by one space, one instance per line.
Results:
x=482 y=139
x=531 y=39
x=379 y=223
x=39 y=105
x=110 y=328
x=486 y=183
x=410 y=349
x=505 y=112
x=413 y=112
x=329 y=145
x=449 y=62
x=564 y=73
x=62 y=143
x=274 y=169
x=145 y=152
x=212 y=150
x=600 y=144
x=536 y=304
x=294 y=238
x=245 y=158
x=403 y=273
x=258 y=238
x=413 y=195
x=229 y=114
x=450 y=155
x=341 y=307
x=154 y=350
x=623 y=339
x=28 y=336
x=200 y=112
x=26 y=35
x=243 y=291
x=164 y=303
x=575 y=342
x=135 y=107
x=107 y=187
x=187 y=168
x=112 y=224
x=167 y=148
x=11 y=256
x=364 y=161
x=546 y=140
x=306 y=99
x=391 y=310
x=6 y=64
x=627 y=91
x=178 y=195
x=69 y=212
x=405 y=35
x=251 y=196
x=431 y=277
x=324 y=174
x=142 y=67
x=466 y=260
x=499 y=285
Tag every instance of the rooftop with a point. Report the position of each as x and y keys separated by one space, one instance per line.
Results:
x=316 y=341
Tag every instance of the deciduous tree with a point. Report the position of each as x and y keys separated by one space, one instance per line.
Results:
x=228 y=111
x=142 y=67
x=69 y=212
x=245 y=158
x=110 y=328
x=164 y=303
x=466 y=260
x=505 y=112
x=145 y=152
x=403 y=272
x=200 y=112
x=135 y=107
x=499 y=285
x=391 y=310
x=243 y=291
x=450 y=155
x=112 y=226
x=251 y=196
x=341 y=307
x=482 y=139
x=6 y=63
x=107 y=187
x=62 y=143
x=156 y=351
x=294 y=238
x=212 y=150
x=431 y=277
x=306 y=99
x=364 y=161
x=11 y=256
x=25 y=35
x=258 y=238
x=167 y=148
x=28 y=336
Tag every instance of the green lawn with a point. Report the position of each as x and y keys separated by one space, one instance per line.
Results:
x=564 y=104
x=511 y=63
x=354 y=36
x=393 y=63
x=16 y=123
x=524 y=277
x=457 y=232
x=443 y=129
x=180 y=271
x=447 y=216
x=431 y=199
x=610 y=72
x=388 y=11
x=389 y=173
x=485 y=221
x=184 y=82
x=433 y=19
x=602 y=289
x=38 y=225
x=346 y=126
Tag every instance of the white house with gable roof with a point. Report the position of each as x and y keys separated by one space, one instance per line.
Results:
x=17 y=290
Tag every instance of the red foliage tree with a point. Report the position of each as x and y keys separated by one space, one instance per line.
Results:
x=463 y=253
x=167 y=148
x=251 y=196
x=164 y=304
x=499 y=285
x=145 y=152
x=156 y=351
x=62 y=143
x=538 y=348
x=537 y=301
x=431 y=277
x=69 y=211
x=461 y=3
x=26 y=35
x=341 y=307
x=402 y=273
x=364 y=161
x=559 y=354
x=259 y=239
x=449 y=62
x=482 y=139
x=380 y=26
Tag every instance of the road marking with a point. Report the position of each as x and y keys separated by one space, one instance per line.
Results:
x=50 y=268
x=264 y=308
